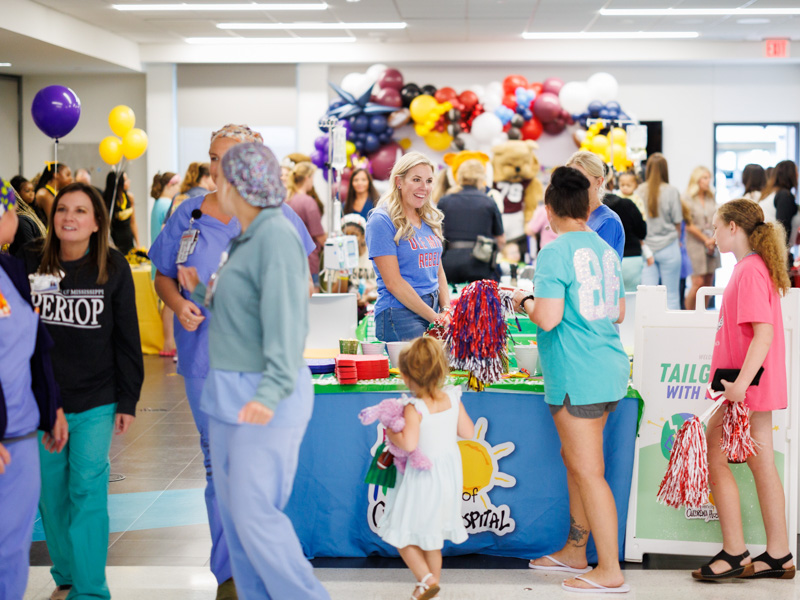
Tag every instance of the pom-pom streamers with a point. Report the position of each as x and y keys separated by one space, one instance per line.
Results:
x=476 y=335
x=736 y=441
x=686 y=479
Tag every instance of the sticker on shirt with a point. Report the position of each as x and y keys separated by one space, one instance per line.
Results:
x=77 y=308
x=187 y=246
x=427 y=260
x=5 y=308
x=45 y=283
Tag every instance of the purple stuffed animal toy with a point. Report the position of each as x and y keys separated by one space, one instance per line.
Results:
x=390 y=414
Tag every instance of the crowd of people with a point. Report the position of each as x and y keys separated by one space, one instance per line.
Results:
x=237 y=248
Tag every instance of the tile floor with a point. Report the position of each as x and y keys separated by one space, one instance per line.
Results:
x=162 y=465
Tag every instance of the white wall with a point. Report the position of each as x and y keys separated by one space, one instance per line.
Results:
x=98 y=95
x=9 y=127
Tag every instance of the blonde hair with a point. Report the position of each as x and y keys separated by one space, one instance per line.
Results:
x=471 y=172
x=768 y=240
x=656 y=173
x=194 y=173
x=591 y=163
x=424 y=362
x=392 y=201
x=240 y=133
x=694 y=188
x=298 y=175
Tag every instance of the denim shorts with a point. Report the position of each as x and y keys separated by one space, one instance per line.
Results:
x=585 y=411
x=401 y=324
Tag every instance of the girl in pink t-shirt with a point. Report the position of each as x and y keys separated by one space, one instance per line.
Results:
x=749 y=336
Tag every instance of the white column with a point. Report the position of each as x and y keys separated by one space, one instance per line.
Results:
x=162 y=128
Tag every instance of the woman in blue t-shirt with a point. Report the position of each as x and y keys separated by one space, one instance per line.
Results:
x=579 y=297
x=404 y=239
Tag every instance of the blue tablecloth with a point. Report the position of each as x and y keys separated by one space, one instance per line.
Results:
x=330 y=505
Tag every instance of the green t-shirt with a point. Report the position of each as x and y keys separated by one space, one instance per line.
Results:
x=582 y=356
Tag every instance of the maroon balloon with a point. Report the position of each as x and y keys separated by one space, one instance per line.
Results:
x=383 y=159
x=546 y=107
x=554 y=127
x=387 y=97
x=391 y=78
x=552 y=85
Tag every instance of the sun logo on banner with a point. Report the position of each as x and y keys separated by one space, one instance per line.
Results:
x=479 y=461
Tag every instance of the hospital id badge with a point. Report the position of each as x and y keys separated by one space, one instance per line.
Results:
x=188 y=243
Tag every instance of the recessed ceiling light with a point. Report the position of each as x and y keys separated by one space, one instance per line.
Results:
x=233 y=41
x=608 y=35
x=2 y=64
x=312 y=25
x=695 y=12
x=252 y=6
x=752 y=21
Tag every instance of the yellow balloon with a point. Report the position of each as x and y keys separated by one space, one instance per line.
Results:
x=618 y=136
x=121 y=119
x=421 y=106
x=421 y=130
x=134 y=144
x=438 y=140
x=600 y=144
x=111 y=150
x=350 y=148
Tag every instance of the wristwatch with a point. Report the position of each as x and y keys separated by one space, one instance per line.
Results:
x=525 y=299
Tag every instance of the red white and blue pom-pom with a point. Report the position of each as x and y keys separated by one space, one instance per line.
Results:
x=476 y=334
x=736 y=441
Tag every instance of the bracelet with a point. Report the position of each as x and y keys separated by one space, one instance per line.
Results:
x=525 y=299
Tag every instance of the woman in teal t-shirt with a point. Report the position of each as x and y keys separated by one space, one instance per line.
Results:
x=579 y=297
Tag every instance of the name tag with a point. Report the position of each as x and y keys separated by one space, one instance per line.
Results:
x=188 y=243
x=44 y=283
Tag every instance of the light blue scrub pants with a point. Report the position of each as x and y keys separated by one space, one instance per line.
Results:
x=220 y=557
x=19 y=493
x=667 y=271
x=254 y=469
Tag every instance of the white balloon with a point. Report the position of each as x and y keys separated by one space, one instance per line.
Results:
x=479 y=91
x=486 y=127
x=491 y=102
x=603 y=87
x=353 y=83
x=470 y=143
x=375 y=71
x=495 y=87
x=500 y=138
x=574 y=97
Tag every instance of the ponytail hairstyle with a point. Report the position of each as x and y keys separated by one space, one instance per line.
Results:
x=160 y=181
x=301 y=172
x=425 y=363
x=784 y=177
x=194 y=174
x=656 y=173
x=392 y=200
x=568 y=194
x=48 y=175
x=766 y=239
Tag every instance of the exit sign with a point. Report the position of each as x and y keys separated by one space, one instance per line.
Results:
x=776 y=48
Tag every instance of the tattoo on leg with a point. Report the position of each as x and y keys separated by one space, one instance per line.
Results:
x=578 y=536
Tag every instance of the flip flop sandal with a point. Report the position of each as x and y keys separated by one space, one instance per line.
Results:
x=775 y=571
x=558 y=566
x=428 y=591
x=595 y=588
x=737 y=569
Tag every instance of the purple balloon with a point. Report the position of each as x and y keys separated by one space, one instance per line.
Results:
x=321 y=143
x=56 y=110
x=318 y=159
x=546 y=107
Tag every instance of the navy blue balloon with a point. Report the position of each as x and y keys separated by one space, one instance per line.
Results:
x=595 y=108
x=361 y=136
x=359 y=145
x=371 y=143
x=605 y=114
x=336 y=104
x=581 y=121
x=389 y=131
x=377 y=124
x=384 y=138
x=614 y=109
x=56 y=110
x=360 y=123
x=351 y=135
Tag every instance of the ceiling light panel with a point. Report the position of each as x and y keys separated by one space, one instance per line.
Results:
x=238 y=41
x=608 y=35
x=244 y=7
x=308 y=25
x=697 y=12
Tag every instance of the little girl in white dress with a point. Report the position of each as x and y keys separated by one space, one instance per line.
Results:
x=424 y=508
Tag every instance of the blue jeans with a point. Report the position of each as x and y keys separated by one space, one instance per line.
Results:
x=667 y=272
x=402 y=324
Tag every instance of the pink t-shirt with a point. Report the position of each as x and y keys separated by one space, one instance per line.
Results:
x=540 y=224
x=308 y=211
x=751 y=297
